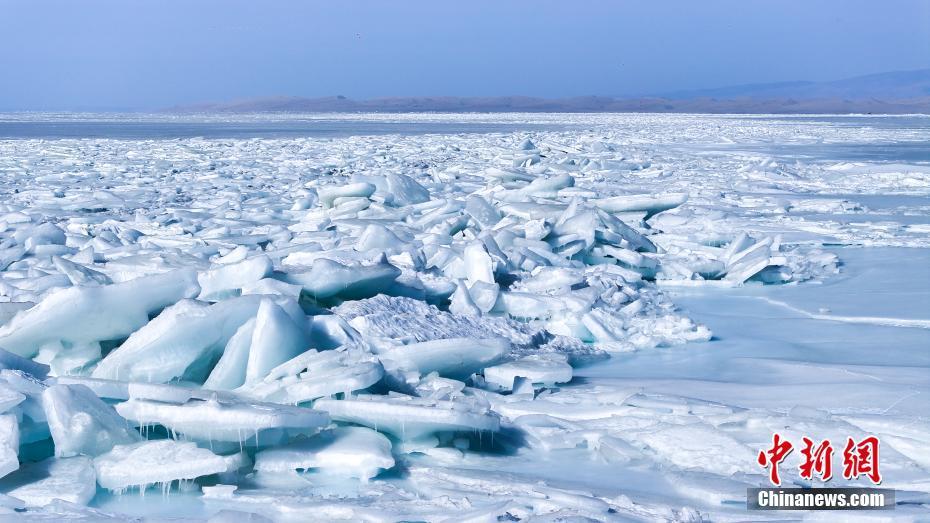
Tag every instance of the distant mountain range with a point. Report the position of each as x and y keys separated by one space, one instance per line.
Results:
x=898 y=92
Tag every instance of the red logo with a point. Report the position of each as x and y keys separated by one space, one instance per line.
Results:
x=775 y=455
x=859 y=459
x=819 y=460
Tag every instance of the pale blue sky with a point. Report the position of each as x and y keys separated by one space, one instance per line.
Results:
x=147 y=54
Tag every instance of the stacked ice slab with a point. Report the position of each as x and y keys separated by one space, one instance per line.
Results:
x=328 y=333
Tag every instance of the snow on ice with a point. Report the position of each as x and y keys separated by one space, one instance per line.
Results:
x=424 y=327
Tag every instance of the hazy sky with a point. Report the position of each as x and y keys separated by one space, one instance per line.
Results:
x=141 y=54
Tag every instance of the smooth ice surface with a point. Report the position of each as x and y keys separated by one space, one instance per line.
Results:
x=550 y=317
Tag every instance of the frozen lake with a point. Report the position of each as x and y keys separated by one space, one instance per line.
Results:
x=159 y=127
x=511 y=316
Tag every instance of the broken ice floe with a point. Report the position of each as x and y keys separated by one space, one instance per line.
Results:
x=542 y=369
x=155 y=462
x=355 y=452
x=80 y=423
x=86 y=315
x=38 y=484
x=407 y=417
x=314 y=375
x=241 y=422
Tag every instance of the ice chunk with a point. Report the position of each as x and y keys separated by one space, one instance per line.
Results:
x=150 y=462
x=547 y=369
x=305 y=202
x=738 y=244
x=630 y=258
x=10 y=309
x=276 y=339
x=161 y=392
x=81 y=423
x=524 y=305
x=478 y=264
x=229 y=279
x=578 y=224
x=229 y=372
x=8 y=360
x=404 y=190
x=395 y=189
x=453 y=358
x=38 y=484
x=329 y=195
x=536 y=229
x=506 y=175
x=315 y=375
x=271 y=286
x=749 y=268
x=9 y=444
x=407 y=417
x=32 y=425
x=355 y=452
x=387 y=320
x=236 y=462
x=651 y=203
x=634 y=239
x=378 y=237
x=183 y=335
x=9 y=398
x=548 y=187
x=226 y=419
x=484 y=295
x=121 y=390
x=236 y=255
x=462 y=304
x=80 y=275
x=89 y=314
x=103 y=388
x=745 y=258
x=481 y=211
x=10 y=255
x=435 y=387
x=327 y=278
x=545 y=279
x=68 y=359
x=42 y=234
